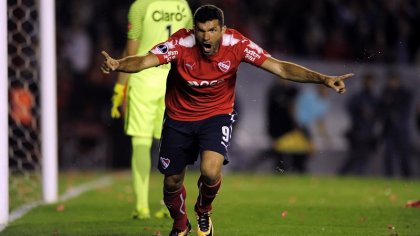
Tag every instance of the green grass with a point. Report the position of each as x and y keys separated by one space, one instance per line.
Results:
x=247 y=204
x=24 y=188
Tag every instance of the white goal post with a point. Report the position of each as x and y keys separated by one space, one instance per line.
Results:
x=4 y=137
x=49 y=142
x=48 y=114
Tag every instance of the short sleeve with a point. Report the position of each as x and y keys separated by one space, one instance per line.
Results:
x=170 y=50
x=252 y=53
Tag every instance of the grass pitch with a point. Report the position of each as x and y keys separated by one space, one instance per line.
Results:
x=247 y=204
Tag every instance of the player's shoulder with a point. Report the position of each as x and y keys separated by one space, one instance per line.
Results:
x=183 y=33
x=183 y=37
x=234 y=32
x=179 y=1
x=135 y=5
x=139 y=7
x=232 y=37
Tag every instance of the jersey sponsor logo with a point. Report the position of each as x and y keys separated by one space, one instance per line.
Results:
x=224 y=66
x=163 y=15
x=205 y=83
x=251 y=54
x=170 y=55
x=254 y=46
x=165 y=162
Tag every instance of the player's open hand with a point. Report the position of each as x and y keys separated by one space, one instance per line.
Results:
x=337 y=82
x=110 y=64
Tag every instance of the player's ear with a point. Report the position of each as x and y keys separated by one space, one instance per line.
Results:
x=223 y=29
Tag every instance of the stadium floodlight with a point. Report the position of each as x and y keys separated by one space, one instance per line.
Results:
x=4 y=144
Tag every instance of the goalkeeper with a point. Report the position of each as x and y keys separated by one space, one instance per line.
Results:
x=149 y=22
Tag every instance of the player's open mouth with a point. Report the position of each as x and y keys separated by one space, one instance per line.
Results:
x=206 y=47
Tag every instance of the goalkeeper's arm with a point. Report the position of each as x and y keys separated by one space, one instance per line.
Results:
x=119 y=87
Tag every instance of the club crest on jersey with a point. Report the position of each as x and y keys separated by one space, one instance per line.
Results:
x=224 y=66
x=165 y=162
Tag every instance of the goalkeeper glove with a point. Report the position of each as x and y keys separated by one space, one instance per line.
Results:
x=117 y=100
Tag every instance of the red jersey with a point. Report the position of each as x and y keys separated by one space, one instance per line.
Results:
x=199 y=87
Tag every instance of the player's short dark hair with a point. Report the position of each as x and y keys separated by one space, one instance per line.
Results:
x=207 y=13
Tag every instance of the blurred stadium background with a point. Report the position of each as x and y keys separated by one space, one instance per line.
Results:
x=331 y=36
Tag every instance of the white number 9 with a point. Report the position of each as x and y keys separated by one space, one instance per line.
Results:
x=226 y=133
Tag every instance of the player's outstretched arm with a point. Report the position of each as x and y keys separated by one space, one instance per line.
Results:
x=130 y=64
x=297 y=73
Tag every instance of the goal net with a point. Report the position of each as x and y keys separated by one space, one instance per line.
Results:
x=24 y=102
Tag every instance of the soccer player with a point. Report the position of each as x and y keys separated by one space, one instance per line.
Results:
x=149 y=22
x=199 y=105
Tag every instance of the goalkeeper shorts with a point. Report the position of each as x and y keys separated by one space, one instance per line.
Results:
x=144 y=112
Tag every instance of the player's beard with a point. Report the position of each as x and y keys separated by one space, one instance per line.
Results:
x=209 y=49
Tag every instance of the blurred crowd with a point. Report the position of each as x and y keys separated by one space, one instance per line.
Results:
x=364 y=31
x=339 y=30
x=380 y=118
